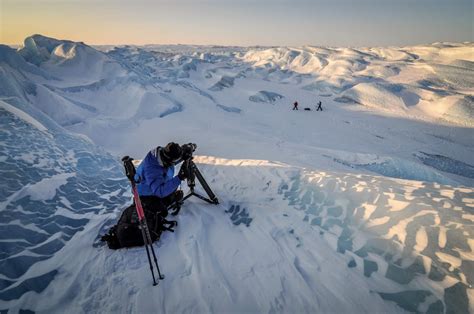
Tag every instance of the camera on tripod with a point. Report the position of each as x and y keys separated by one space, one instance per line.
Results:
x=188 y=150
x=193 y=173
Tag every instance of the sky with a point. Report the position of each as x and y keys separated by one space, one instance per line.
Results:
x=240 y=22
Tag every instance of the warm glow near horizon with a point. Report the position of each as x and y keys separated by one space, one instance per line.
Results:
x=239 y=22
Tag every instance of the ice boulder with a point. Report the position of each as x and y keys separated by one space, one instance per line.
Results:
x=71 y=61
x=264 y=96
x=224 y=82
x=37 y=48
x=10 y=59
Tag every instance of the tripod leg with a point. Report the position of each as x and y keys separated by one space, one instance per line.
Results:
x=204 y=184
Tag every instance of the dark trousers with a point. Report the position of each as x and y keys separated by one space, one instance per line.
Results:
x=156 y=204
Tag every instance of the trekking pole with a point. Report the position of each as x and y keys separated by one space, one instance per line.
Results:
x=146 y=233
x=130 y=173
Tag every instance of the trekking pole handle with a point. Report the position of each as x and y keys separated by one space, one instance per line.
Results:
x=129 y=168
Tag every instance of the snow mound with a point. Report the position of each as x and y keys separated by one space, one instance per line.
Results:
x=393 y=54
x=458 y=109
x=62 y=110
x=461 y=111
x=22 y=115
x=383 y=97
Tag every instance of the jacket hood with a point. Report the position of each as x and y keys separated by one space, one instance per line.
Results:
x=156 y=153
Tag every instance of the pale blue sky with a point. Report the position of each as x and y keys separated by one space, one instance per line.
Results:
x=240 y=22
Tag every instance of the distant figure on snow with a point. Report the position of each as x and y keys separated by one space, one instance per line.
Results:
x=319 y=106
x=295 y=106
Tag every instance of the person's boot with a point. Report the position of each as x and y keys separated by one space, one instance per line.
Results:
x=177 y=201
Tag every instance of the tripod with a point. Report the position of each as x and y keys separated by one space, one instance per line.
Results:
x=193 y=173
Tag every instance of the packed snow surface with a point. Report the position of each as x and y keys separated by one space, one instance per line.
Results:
x=367 y=206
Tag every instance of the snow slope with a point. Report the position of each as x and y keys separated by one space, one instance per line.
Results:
x=364 y=207
x=53 y=183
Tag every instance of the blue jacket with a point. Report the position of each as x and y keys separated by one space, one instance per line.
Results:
x=154 y=178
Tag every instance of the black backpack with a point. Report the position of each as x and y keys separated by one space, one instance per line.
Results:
x=127 y=232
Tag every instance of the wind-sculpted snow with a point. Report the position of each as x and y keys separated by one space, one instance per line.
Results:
x=292 y=232
x=176 y=108
x=229 y=109
x=447 y=164
x=418 y=236
x=238 y=215
x=52 y=185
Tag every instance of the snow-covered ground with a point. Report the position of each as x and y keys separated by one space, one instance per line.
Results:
x=367 y=206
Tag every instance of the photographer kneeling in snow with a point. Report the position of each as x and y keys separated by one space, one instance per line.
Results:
x=157 y=185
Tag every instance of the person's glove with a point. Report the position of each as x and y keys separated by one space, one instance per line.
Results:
x=183 y=171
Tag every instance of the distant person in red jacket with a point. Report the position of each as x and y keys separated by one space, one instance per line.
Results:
x=295 y=106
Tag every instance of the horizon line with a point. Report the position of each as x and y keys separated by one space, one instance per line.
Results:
x=19 y=45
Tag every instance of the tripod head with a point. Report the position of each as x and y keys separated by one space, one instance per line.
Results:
x=188 y=150
x=191 y=179
x=193 y=173
x=187 y=157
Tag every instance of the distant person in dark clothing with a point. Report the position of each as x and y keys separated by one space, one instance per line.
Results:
x=295 y=106
x=319 y=106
